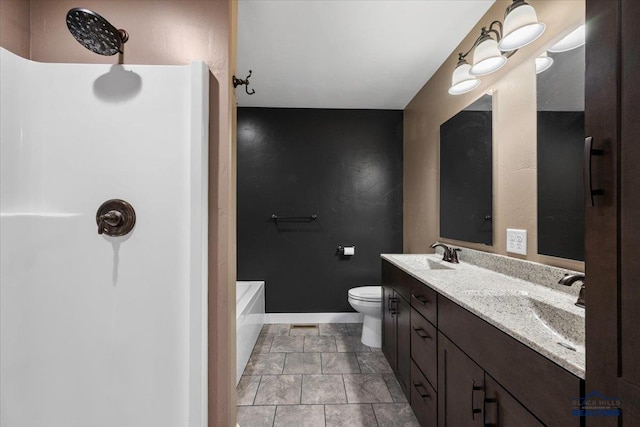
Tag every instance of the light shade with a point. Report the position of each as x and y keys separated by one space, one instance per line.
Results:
x=574 y=39
x=487 y=58
x=521 y=27
x=543 y=62
x=462 y=81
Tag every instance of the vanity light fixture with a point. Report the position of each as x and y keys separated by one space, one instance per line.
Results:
x=487 y=58
x=520 y=28
x=574 y=39
x=462 y=81
x=543 y=62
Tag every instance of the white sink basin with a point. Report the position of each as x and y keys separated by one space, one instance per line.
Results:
x=562 y=322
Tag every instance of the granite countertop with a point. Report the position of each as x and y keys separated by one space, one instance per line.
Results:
x=541 y=317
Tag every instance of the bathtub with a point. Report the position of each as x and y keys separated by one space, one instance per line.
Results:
x=249 y=321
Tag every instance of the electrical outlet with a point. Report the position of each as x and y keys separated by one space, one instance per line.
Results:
x=517 y=241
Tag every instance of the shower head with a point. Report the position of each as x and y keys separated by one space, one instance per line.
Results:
x=95 y=33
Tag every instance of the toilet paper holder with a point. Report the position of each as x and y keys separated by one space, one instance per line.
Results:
x=349 y=248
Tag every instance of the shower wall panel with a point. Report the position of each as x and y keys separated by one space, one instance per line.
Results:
x=98 y=330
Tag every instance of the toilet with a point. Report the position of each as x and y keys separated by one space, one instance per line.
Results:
x=368 y=301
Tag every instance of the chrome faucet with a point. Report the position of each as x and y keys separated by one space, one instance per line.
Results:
x=569 y=279
x=450 y=254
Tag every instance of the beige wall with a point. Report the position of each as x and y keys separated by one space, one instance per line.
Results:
x=166 y=32
x=15 y=26
x=514 y=138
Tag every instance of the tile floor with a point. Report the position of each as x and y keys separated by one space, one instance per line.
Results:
x=321 y=376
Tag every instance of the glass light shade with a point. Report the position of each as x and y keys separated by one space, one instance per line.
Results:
x=462 y=81
x=487 y=58
x=543 y=62
x=574 y=39
x=521 y=27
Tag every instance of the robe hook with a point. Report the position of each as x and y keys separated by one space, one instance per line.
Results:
x=239 y=82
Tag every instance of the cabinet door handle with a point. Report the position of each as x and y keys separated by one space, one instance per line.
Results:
x=496 y=422
x=422 y=300
x=392 y=309
x=474 y=410
x=421 y=333
x=589 y=192
x=423 y=394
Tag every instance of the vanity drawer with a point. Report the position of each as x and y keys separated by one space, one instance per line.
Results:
x=424 y=299
x=424 y=401
x=424 y=350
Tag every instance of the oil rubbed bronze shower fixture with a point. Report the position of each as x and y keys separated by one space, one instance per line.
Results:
x=239 y=82
x=95 y=33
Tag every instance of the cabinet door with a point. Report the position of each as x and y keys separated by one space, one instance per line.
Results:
x=389 y=339
x=502 y=409
x=460 y=387
x=404 y=345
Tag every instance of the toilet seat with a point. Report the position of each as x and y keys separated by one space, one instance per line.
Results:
x=366 y=293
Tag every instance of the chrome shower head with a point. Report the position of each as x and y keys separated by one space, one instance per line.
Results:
x=95 y=33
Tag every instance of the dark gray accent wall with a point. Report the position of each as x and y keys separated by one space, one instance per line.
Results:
x=345 y=166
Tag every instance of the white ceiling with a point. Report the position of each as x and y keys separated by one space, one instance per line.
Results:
x=346 y=53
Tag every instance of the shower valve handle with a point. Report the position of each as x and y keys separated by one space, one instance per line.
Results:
x=112 y=218
x=115 y=217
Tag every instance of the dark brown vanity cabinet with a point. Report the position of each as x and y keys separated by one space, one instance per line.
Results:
x=460 y=384
x=396 y=322
x=458 y=370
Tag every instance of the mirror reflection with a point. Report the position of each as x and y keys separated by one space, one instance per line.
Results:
x=560 y=99
x=466 y=188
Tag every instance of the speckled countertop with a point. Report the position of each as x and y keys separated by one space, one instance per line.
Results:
x=539 y=315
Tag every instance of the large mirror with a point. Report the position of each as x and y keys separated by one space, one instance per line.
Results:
x=466 y=187
x=560 y=93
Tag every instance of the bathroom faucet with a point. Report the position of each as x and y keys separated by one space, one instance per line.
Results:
x=450 y=255
x=568 y=280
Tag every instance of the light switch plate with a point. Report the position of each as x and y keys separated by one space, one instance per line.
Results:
x=517 y=241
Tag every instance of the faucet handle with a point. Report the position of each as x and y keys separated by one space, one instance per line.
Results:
x=454 y=255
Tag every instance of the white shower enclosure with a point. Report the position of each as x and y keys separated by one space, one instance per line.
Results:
x=95 y=330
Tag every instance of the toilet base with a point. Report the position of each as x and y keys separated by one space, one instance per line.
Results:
x=372 y=331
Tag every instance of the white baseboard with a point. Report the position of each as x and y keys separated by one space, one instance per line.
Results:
x=313 y=317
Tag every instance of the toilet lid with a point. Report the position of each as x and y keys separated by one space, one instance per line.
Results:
x=366 y=293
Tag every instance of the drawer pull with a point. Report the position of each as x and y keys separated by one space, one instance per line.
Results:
x=422 y=300
x=423 y=394
x=421 y=333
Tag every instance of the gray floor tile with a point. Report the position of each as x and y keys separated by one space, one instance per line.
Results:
x=339 y=363
x=321 y=389
x=263 y=344
x=304 y=330
x=316 y=344
x=275 y=329
x=302 y=363
x=351 y=344
x=256 y=416
x=279 y=390
x=246 y=389
x=376 y=349
x=373 y=363
x=394 y=388
x=287 y=345
x=360 y=415
x=366 y=388
x=265 y=364
x=355 y=329
x=395 y=415
x=299 y=416
x=334 y=329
